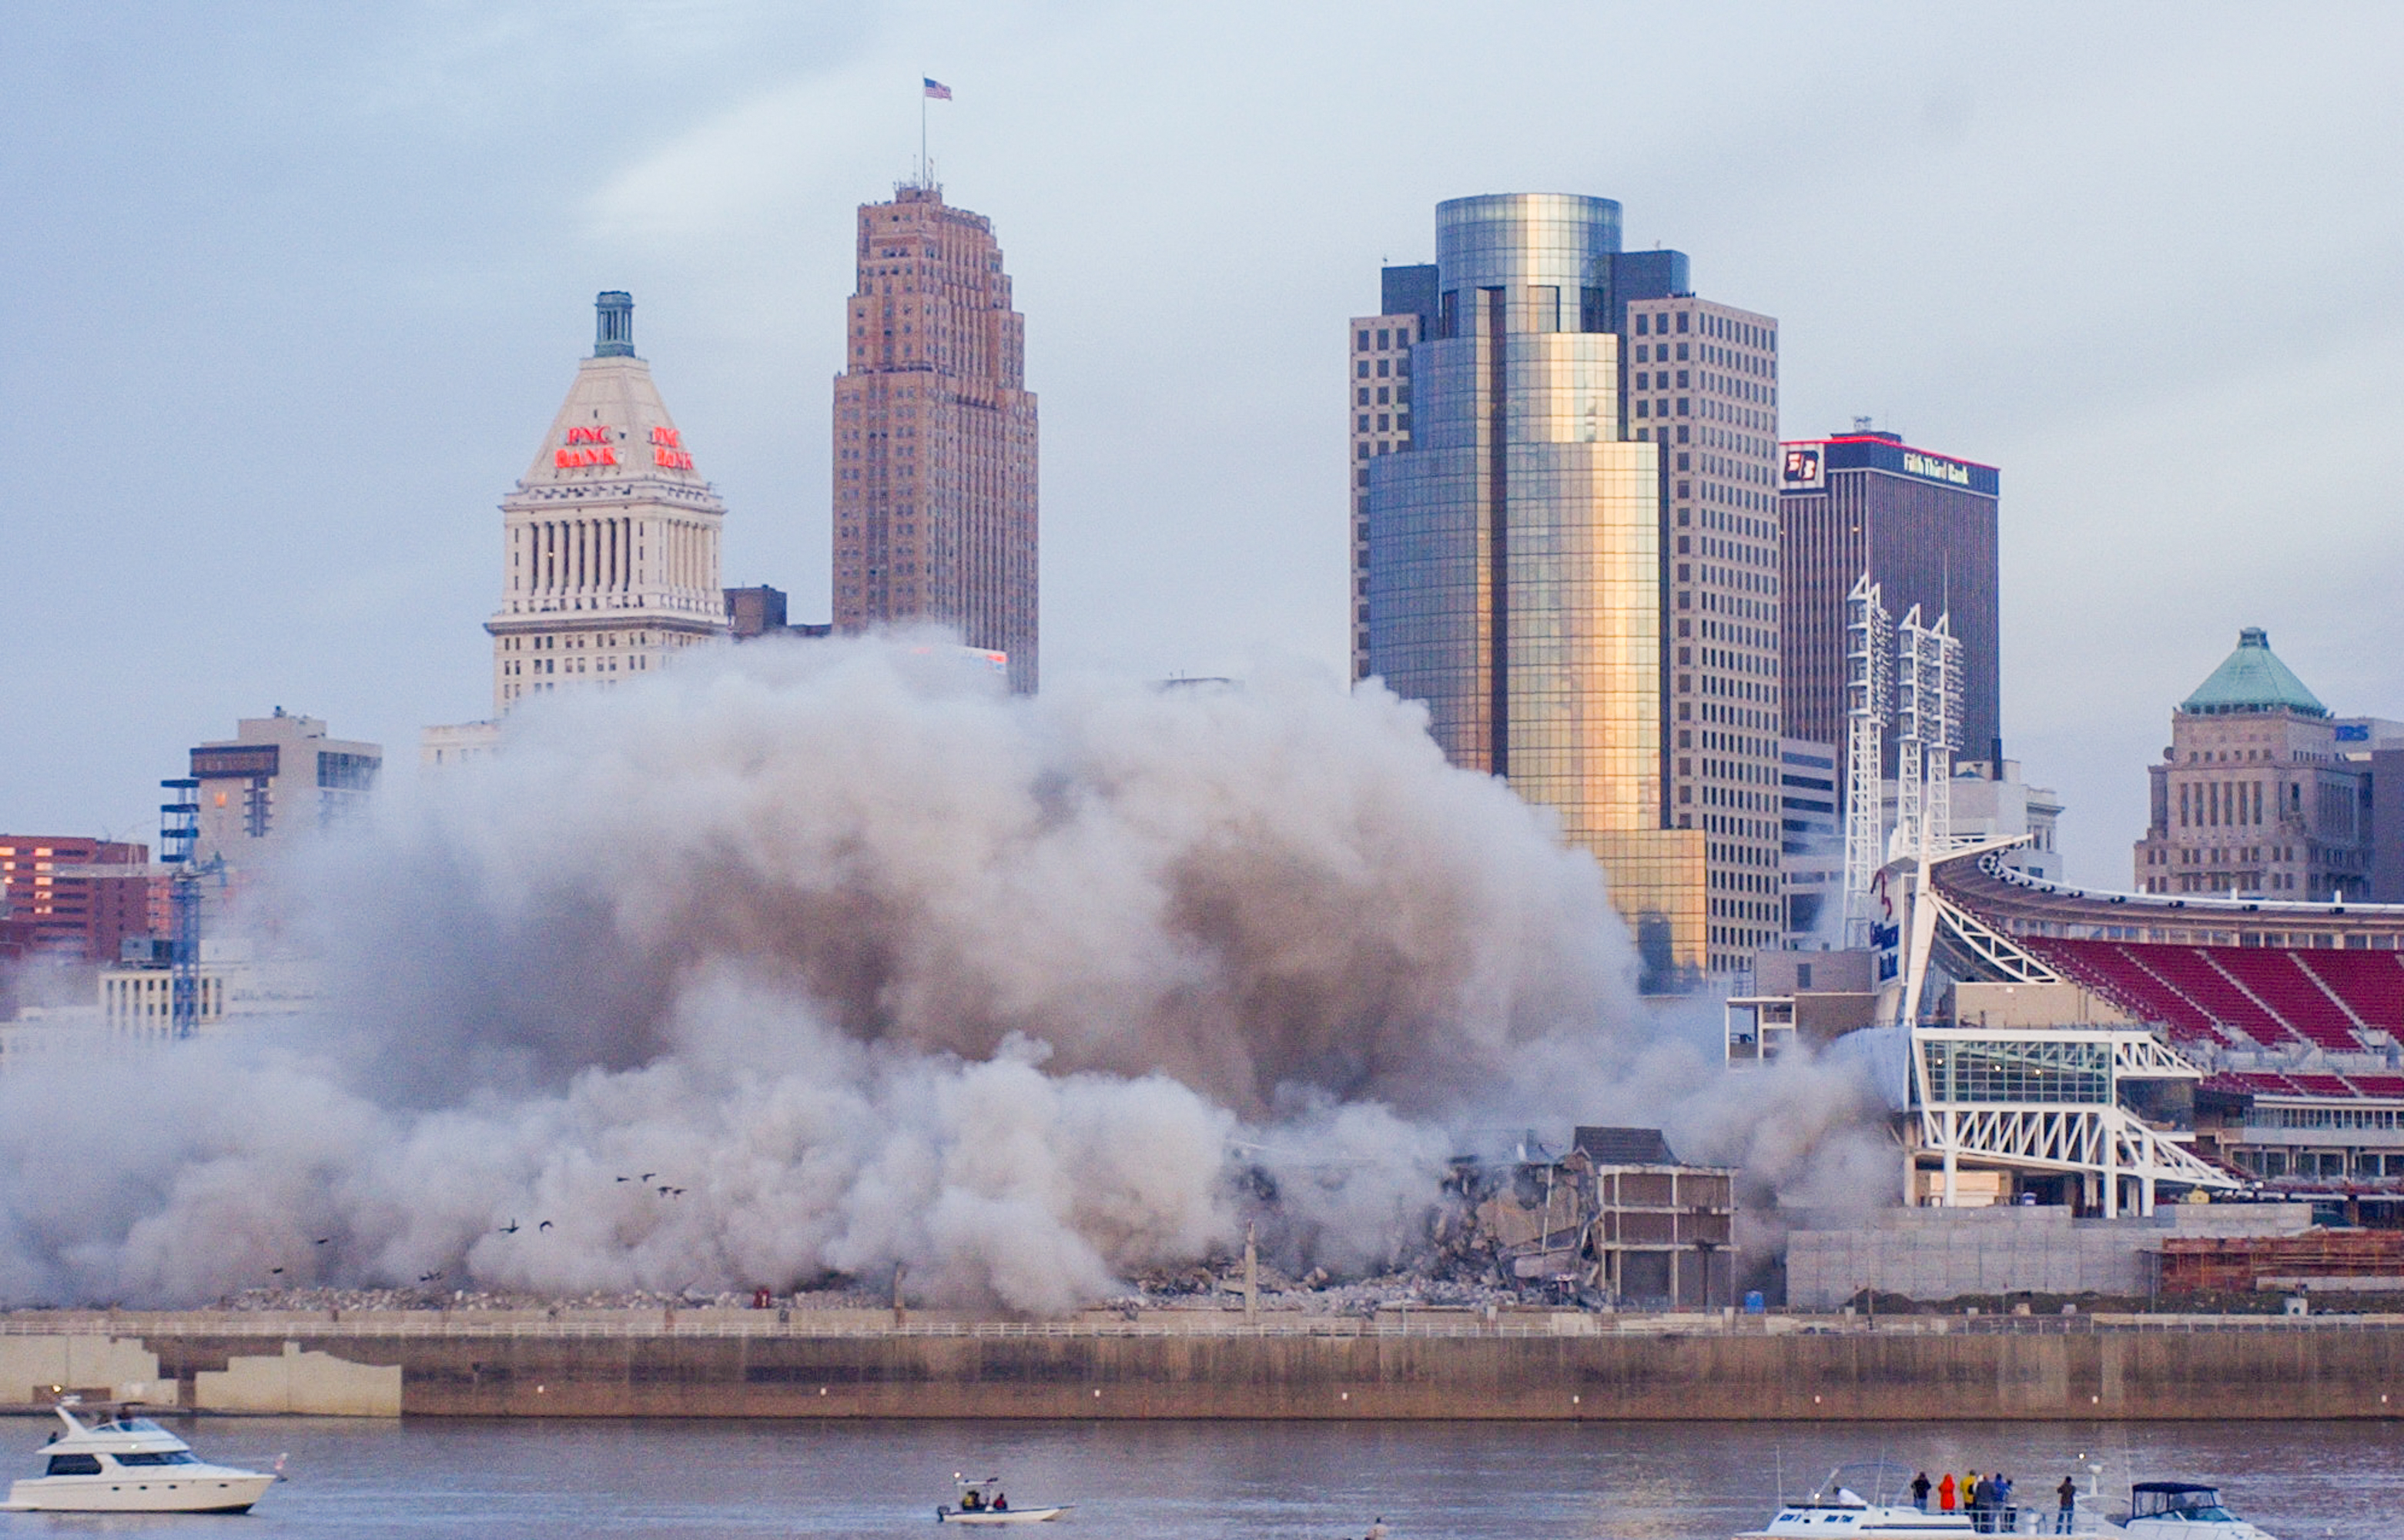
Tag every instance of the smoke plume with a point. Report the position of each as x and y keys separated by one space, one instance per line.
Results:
x=818 y=958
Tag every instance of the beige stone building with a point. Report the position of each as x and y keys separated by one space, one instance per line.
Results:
x=610 y=538
x=2255 y=795
x=279 y=778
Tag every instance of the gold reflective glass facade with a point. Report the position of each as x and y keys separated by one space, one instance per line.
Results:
x=1514 y=572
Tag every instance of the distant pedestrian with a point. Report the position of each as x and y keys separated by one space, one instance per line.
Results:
x=1920 y=1491
x=2068 y=1492
x=1945 y=1494
x=1376 y=1528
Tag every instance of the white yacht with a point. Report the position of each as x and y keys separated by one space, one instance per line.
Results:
x=2182 y=1510
x=129 y=1465
x=1839 y=1509
x=985 y=1502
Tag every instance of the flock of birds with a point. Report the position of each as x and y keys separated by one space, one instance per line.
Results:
x=647 y=1178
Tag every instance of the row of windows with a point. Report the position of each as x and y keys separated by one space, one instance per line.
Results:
x=2041 y=1072
x=1744 y=333
x=1389 y=338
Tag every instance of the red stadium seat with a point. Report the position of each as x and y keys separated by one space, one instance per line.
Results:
x=2276 y=977
x=2371 y=984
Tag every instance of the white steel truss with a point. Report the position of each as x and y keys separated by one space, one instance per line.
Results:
x=2098 y=1140
x=1867 y=687
x=1913 y=725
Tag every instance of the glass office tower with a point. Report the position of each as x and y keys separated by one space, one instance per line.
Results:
x=1512 y=561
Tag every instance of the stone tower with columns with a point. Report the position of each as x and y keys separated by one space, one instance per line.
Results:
x=609 y=542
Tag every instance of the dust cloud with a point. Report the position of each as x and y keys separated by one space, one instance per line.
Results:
x=814 y=960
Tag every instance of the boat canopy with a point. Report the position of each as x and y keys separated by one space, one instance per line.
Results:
x=2149 y=1498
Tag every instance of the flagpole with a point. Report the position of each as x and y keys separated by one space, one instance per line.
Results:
x=922 y=136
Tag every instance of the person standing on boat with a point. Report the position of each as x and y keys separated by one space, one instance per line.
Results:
x=1920 y=1491
x=1945 y=1494
x=2063 y=1516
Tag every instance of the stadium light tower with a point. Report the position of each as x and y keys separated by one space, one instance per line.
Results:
x=1867 y=671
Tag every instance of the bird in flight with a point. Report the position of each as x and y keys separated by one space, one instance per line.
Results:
x=544 y=1226
x=324 y=1238
x=429 y=1278
x=509 y=1228
x=275 y=1269
x=648 y=1175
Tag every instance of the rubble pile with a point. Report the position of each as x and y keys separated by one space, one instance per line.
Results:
x=323 y=1299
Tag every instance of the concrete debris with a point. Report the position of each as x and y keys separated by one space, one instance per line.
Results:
x=487 y=1299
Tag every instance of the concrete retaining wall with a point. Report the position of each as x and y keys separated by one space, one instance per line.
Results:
x=311 y=1383
x=1946 y=1254
x=99 y=1369
x=2273 y=1369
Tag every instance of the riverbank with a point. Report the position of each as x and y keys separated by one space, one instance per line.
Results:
x=1528 y=1366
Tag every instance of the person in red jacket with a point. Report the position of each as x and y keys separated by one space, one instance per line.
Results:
x=1945 y=1494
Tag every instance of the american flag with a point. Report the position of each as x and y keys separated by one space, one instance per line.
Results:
x=937 y=90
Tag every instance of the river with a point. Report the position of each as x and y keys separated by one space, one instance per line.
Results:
x=432 y=1479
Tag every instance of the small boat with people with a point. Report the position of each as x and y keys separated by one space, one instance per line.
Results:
x=130 y=1464
x=1869 y=1498
x=985 y=1502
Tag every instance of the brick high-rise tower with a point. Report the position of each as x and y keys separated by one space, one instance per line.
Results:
x=934 y=435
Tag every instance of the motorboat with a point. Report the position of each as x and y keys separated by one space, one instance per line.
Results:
x=130 y=1464
x=1839 y=1509
x=985 y=1502
x=2182 y=1510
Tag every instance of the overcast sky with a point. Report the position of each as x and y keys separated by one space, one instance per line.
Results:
x=288 y=294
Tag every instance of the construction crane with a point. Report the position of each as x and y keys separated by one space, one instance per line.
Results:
x=179 y=839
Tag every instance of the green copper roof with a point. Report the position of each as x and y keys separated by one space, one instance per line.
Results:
x=2252 y=680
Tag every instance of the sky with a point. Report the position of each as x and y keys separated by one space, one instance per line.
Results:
x=289 y=295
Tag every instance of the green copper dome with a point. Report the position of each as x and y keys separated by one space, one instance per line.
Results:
x=2252 y=680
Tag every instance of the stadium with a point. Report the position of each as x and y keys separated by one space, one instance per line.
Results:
x=2233 y=1031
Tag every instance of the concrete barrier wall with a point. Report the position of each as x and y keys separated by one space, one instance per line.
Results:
x=316 y=1384
x=99 y=1367
x=1947 y=1254
x=2272 y=1371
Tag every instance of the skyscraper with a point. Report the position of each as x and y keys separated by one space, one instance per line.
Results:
x=935 y=435
x=1572 y=559
x=610 y=538
x=1923 y=526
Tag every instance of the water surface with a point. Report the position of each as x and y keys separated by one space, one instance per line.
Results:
x=432 y=1479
